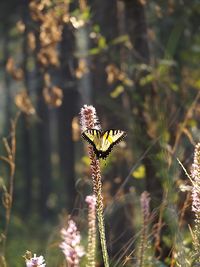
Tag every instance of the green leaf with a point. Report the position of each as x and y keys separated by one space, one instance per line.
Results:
x=121 y=39
x=96 y=28
x=174 y=87
x=197 y=84
x=102 y=42
x=192 y=123
x=94 y=51
x=86 y=14
x=166 y=136
x=86 y=160
x=117 y=91
x=147 y=79
x=140 y=172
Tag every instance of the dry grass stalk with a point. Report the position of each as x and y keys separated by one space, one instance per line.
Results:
x=10 y=147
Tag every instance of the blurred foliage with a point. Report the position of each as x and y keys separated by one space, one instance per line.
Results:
x=58 y=54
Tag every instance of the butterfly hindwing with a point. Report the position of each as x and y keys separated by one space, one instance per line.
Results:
x=103 y=142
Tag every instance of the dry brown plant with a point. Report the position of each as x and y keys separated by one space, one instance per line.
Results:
x=7 y=199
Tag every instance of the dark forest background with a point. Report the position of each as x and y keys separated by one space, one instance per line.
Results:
x=137 y=62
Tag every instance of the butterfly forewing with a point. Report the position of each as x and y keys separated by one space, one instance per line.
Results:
x=93 y=137
x=110 y=139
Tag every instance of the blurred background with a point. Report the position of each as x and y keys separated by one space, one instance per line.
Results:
x=137 y=63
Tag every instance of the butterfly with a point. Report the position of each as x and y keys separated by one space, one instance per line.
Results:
x=103 y=141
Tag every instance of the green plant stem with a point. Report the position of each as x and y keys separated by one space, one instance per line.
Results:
x=97 y=188
x=142 y=249
x=101 y=226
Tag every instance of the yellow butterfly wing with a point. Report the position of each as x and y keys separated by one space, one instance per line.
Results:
x=109 y=139
x=93 y=137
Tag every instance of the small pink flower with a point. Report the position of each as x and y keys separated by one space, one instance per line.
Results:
x=35 y=261
x=70 y=246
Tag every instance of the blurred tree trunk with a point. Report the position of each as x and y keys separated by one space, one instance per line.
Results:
x=43 y=141
x=65 y=116
x=110 y=29
x=44 y=152
x=26 y=137
x=8 y=98
x=137 y=30
x=84 y=83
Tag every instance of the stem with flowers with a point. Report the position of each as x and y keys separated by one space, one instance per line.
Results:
x=195 y=175
x=144 y=201
x=91 y=249
x=89 y=120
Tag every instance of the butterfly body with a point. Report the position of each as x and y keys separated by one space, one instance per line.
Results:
x=103 y=141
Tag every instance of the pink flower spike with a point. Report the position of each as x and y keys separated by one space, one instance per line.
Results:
x=195 y=173
x=91 y=201
x=89 y=119
x=70 y=245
